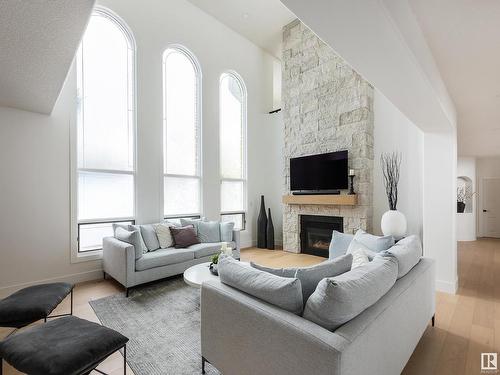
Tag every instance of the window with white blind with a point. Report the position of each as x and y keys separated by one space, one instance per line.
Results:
x=232 y=118
x=181 y=133
x=105 y=136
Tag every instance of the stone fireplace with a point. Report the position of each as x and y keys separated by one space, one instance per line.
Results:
x=327 y=107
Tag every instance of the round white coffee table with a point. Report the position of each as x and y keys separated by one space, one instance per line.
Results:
x=198 y=274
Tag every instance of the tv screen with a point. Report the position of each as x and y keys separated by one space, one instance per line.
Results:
x=319 y=172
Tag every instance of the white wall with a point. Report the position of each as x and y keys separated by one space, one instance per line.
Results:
x=394 y=132
x=466 y=221
x=34 y=149
x=485 y=168
x=440 y=207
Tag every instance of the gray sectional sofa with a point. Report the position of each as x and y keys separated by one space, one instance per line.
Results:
x=119 y=260
x=242 y=334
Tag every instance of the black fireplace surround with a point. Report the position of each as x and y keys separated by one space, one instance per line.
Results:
x=316 y=233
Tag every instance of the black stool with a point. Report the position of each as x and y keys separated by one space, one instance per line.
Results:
x=33 y=303
x=65 y=346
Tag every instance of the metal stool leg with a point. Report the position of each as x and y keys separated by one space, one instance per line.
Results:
x=1 y=366
x=124 y=360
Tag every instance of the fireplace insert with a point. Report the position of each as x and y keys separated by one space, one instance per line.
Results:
x=316 y=233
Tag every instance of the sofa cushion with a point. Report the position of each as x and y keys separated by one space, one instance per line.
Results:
x=209 y=231
x=339 y=244
x=360 y=253
x=310 y=276
x=132 y=227
x=164 y=235
x=407 y=252
x=163 y=257
x=206 y=249
x=339 y=299
x=131 y=237
x=118 y=225
x=184 y=236
x=374 y=243
x=149 y=236
x=283 y=292
x=226 y=231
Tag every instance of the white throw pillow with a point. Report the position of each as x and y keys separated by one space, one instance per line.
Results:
x=164 y=235
x=359 y=254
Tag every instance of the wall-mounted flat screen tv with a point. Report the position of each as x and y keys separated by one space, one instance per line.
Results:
x=319 y=172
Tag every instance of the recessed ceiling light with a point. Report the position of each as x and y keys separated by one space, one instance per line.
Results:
x=245 y=16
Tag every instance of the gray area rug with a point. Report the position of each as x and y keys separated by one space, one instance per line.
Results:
x=162 y=321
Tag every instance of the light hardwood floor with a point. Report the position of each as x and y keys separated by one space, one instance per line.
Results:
x=467 y=323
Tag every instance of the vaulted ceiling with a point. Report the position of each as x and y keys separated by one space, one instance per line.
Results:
x=38 y=40
x=260 y=21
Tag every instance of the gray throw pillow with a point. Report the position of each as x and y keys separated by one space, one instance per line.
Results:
x=138 y=228
x=281 y=272
x=407 y=252
x=184 y=236
x=208 y=231
x=226 y=231
x=116 y=225
x=374 y=243
x=341 y=298
x=131 y=237
x=339 y=244
x=193 y=222
x=149 y=236
x=310 y=276
x=283 y=292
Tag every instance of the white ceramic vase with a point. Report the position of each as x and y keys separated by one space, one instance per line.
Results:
x=394 y=224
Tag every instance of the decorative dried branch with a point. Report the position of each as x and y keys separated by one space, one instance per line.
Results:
x=391 y=165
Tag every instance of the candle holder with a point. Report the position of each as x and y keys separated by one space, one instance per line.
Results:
x=351 y=187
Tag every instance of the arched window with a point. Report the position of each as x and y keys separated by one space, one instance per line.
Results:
x=181 y=133
x=233 y=168
x=105 y=129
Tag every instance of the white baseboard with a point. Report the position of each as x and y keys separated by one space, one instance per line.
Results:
x=73 y=278
x=447 y=286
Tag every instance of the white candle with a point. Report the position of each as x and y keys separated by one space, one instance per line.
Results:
x=351 y=172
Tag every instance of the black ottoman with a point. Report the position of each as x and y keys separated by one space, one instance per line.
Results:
x=33 y=303
x=64 y=346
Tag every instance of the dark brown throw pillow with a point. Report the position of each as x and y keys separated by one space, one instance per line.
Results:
x=184 y=236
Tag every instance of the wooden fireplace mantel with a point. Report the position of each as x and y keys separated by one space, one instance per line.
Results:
x=326 y=199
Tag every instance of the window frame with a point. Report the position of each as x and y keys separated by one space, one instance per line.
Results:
x=244 y=120
x=78 y=256
x=179 y=48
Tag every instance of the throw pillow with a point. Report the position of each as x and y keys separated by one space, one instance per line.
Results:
x=282 y=272
x=341 y=298
x=339 y=244
x=131 y=237
x=193 y=222
x=310 y=276
x=184 y=236
x=407 y=252
x=208 y=231
x=164 y=235
x=150 y=238
x=138 y=228
x=283 y=292
x=226 y=231
x=360 y=252
x=374 y=243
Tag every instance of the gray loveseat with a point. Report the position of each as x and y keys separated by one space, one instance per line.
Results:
x=119 y=260
x=244 y=335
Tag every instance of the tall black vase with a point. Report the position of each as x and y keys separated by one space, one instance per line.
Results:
x=262 y=225
x=270 y=232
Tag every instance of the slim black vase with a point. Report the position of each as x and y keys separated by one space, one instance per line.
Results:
x=262 y=225
x=270 y=232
